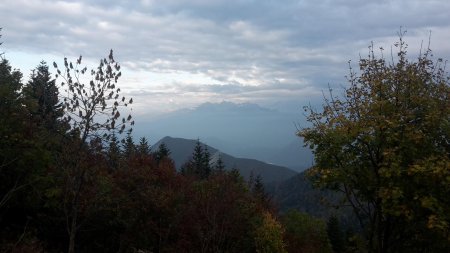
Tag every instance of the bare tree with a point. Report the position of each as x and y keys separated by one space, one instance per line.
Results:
x=92 y=111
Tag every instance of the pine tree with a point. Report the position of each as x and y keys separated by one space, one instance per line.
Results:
x=219 y=166
x=198 y=165
x=42 y=90
x=114 y=152
x=235 y=174
x=129 y=149
x=162 y=153
x=258 y=188
x=143 y=147
x=12 y=128
x=205 y=169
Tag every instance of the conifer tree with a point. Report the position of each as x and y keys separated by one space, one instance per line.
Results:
x=129 y=148
x=258 y=189
x=41 y=88
x=12 y=128
x=205 y=169
x=199 y=164
x=219 y=165
x=114 y=152
x=143 y=147
x=162 y=153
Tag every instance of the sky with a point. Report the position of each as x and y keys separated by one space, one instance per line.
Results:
x=178 y=54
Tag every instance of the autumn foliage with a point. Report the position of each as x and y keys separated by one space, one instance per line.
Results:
x=384 y=144
x=71 y=181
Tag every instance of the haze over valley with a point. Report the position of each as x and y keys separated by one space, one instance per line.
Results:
x=242 y=130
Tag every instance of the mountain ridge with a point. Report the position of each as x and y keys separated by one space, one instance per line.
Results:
x=241 y=130
x=181 y=150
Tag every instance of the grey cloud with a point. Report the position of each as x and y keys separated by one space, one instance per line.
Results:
x=247 y=47
x=229 y=91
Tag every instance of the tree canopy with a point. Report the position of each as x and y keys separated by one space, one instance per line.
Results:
x=384 y=143
x=72 y=181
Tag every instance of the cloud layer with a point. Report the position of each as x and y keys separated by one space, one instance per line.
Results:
x=180 y=53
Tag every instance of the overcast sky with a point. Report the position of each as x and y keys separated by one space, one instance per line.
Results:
x=178 y=54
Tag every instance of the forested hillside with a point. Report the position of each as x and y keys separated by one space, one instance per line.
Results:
x=181 y=151
x=72 y=178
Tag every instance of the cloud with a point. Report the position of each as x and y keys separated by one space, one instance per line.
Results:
x=203 y=50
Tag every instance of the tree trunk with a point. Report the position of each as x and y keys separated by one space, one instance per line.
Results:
x=73 y=231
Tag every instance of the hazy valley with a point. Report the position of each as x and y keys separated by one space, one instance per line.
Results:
x=241 y=130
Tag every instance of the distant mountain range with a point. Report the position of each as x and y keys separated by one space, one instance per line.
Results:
x=181 y=151
x=240 y=130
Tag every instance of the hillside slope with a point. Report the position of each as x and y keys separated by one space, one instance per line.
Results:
x=181 y=150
